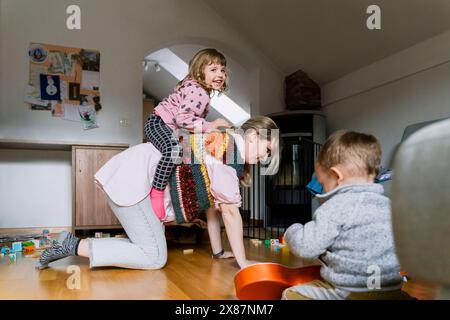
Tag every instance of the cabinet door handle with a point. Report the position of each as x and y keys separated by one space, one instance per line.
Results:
x=79 y=165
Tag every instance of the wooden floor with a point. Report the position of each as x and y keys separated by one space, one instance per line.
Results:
x=194 y=276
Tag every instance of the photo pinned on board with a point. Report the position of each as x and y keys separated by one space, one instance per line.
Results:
x=55 y=62
x=90 y=60
x=97 y=104
x=74 y=91
x=37 y=53
x=88 y=117
x=90 y=100
x=50 y=87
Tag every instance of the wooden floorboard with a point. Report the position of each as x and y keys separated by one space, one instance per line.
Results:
x=194 y=276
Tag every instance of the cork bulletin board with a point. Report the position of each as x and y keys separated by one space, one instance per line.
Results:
x=64 y=81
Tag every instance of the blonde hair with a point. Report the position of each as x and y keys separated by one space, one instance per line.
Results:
x=263 y=126
x=198 y=63
x=359 y=152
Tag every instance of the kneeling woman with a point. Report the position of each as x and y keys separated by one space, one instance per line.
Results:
x=127 y=178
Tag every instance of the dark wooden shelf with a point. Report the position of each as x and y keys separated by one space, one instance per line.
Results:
x=52 y=145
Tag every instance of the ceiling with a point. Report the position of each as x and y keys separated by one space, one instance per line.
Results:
x=327 y=38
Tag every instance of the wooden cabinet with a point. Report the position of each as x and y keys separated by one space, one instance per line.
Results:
x=90 y=208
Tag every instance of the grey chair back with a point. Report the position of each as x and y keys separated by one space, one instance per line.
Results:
x=420 y=194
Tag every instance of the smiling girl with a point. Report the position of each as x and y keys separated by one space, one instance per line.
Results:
x=186 y=108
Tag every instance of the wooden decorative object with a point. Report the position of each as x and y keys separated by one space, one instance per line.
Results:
x=301 y=92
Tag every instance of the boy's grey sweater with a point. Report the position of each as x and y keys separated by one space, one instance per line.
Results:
x=351 y=232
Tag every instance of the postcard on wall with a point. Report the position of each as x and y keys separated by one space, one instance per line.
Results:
x=39 y=107
x=63 y=90
x=55 y=62
x=56 y=109
x=70 y=112
x=90 y=80
x=35 y=72
x=88 y=117
x=90 y=60
x=74 y=91
x=33 y=96
x=50 y=88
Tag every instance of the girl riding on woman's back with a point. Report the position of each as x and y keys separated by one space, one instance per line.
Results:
x=186 y=108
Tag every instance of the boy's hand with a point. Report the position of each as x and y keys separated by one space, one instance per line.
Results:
x=218 y=123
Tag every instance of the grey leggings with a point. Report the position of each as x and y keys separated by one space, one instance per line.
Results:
x=146 y=247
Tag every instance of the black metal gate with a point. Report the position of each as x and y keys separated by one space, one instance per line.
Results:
x=273 y=203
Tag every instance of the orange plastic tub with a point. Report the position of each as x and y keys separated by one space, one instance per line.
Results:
x=266 y=281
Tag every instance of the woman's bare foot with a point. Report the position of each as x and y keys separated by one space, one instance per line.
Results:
x=226 y=255
x=247 y=263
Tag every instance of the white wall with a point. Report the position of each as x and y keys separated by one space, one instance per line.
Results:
x=2 y=74
x=34 y=189
x=124 y=32
x=383 y=98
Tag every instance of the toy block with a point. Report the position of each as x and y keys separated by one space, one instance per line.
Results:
x=188 y=251
x=99 y=235
x=274 y=242
x=106 y=235
x=16 y=247
x=45 y=237
x=255 y=242
x=27 y=243
x=267 y=242
x=120 y=236
x=28 y=249
x=12 y=258
x=6 y=250
x=36 y=243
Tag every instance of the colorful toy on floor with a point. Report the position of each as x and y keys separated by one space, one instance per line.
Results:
x=45 y=238
x=266 y=281
x=6 y=250
x=255 y=242
x=404 y=276
x=17 y=246
x=28 y=249
x=281 y=239
x=12 y=257
x=120 y=236
x=36 y=243
x=267 y=242
x=99 y=235
x=274 y=242
x=188 y=251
